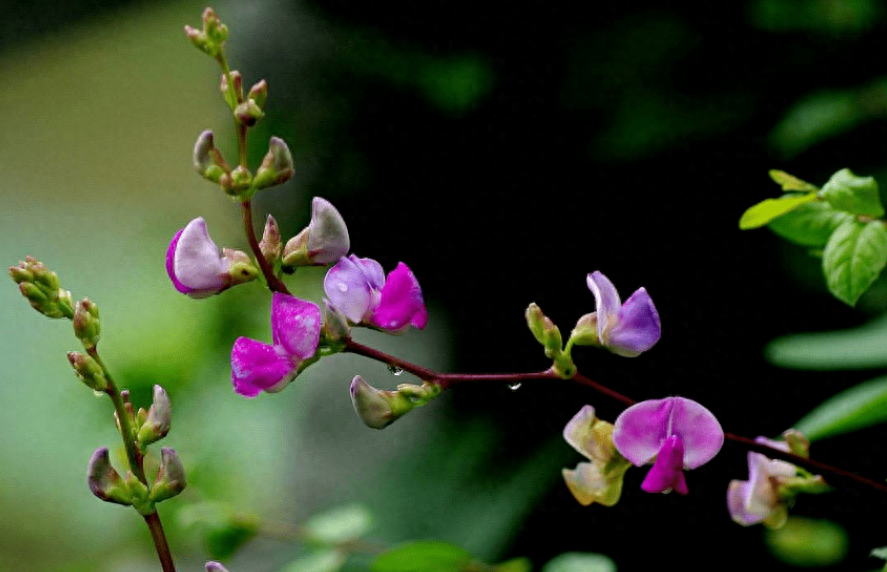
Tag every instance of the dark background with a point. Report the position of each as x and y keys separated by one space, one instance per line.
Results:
x=623 y=137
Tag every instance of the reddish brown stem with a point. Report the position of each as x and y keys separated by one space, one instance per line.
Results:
x=274 y=283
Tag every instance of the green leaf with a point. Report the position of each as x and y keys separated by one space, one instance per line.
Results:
x=423 y=556
x=580 y=562
x=807 y=542
x=790 y=182
x=325 y=561
x=514 y=565
x=809 y=225
x=853 y=258
x=856 y=348
x=340 y=524
x=856 y=408
x=856 y=195
x=768 y=209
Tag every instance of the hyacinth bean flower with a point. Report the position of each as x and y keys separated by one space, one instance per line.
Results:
x=324 y=241
x=627 y=329
x=675 y=432
x=358 y=288
x=295 y=330
x=599 y=481
x=198 y=269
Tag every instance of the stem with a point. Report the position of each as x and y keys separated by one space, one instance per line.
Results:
x=274 y=283
x=134 y=455
x=446 y=380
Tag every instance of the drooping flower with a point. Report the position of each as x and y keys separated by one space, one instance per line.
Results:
x=323 y=241
x=600 y=480
x=771 y=486
x=198 y=269
x=627 y=329
x=295 y=330
x=358 y=288
x=677 y=433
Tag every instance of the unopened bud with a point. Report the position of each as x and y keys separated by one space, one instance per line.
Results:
x=157 y=419
x=248 y=112
x=213 y=26
x=41 y=288
x=87 y=326
x=585 y=332
x=271 y=244
x=535 y=320
x=259 y=93
x=170 y=479
x=139 y=494
x=335 y=324
x=104 y=481
x=88 y=371
x=232 y=92
x=376 y=408
x=201 y=41
x=240 y=266
x=277 y=166
x=208 y=161
x=215 y=567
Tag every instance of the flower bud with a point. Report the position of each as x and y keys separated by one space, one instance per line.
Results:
x=240 y=266
x=277 y=166
x=585 y=332
x=139 y=494
x=86 y=323
x=234 y=92
x=213 y=26
x=271 y=244
x=215 y=567
x=259 y=93
x=376 y=408
x=323 y=241
x=88 y=370
x=201 y=41
x=157 y=420
x=248 y=112
x=335 y=324
x=240 y=180
x=104 y=481
x=208 y=161
x=535 y=321
x=41 y=287
x=170 y=479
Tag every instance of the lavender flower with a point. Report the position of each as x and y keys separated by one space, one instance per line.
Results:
x=358 y=288
x=678 y=433
x=627 y=329
x=196 y=267
x=295 y=329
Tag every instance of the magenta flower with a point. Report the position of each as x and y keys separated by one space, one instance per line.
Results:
x=358 y=288
x=627 y=329
x=198 y=269
x=295 y=331
x=677 y=433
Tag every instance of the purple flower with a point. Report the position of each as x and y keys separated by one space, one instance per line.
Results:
x=627 y=329
x=295 y=330
x=198 y=269
x=678 y=433
x=358 y=288
x=757 y=499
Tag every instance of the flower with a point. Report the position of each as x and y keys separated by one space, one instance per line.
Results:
x=627 y=329
x=358 y=288
x=323 y=241
x=295 y=330
x=196 y=267
x=678 y=433
x=600 y=480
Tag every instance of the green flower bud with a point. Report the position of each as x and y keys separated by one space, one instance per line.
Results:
x=233 y=93
x=208 y=161
x=139 y=494
x=88 y=371
x=240 y=266
x=213 y=27
x=335 y=325
x=271 y=244
x=86 y=323
x=376 y=408
x=157 y=420
x=798 y=444
x=202 y=42
x=535 y=320
x=248 y=113
x=259 y=93
x=170 y=480
x=585 y=332
x=237 y=183
x=295 y=253
x=41 y=287
x=277 y=166
x=104 y=481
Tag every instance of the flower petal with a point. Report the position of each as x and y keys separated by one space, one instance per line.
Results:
x=589 y=485
x=372 y=271
x=637 y=326
x=295 y=325
x=194 y=263
x=607 y=301
x=257 y=367
x=400 y=302
x=347 y=288
x=327 y=234
x=578 y=431
x=699 y=431
x=667 y=473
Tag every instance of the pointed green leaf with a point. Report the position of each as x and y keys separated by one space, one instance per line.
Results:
x=767 y=210
x=580 y=562
x=325 y=561
x=856 y=195
x=340 y=524
x=790 y=182
x=856 y=408
x=853 y=258
x=856 y=348
x=423 y=556
x=809 y=225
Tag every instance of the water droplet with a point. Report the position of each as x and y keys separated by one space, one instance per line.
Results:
x=342 y=287
x=513 y=386
x=395 y=370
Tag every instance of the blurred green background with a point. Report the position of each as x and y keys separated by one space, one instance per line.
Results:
x=503 y=154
